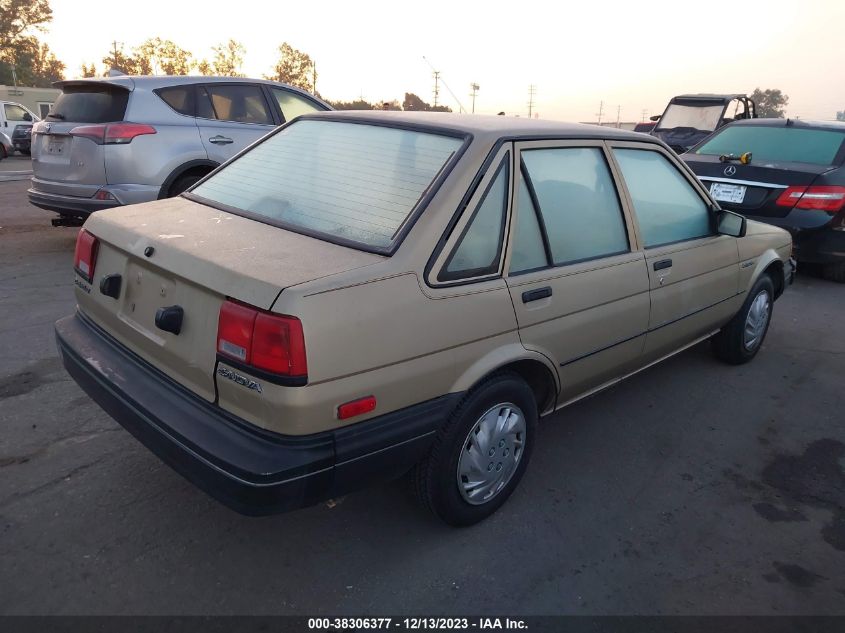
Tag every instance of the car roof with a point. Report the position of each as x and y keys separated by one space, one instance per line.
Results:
x=151 y=82
x=480 y=125
x=838 y=126
x=706 y=96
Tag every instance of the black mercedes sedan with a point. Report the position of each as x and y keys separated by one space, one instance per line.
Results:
x=786 y=172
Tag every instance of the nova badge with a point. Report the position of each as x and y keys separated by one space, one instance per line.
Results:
x=241 y=380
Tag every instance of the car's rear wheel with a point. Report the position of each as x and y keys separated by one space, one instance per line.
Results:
x=182 y=183
x=3 y=153
x=480 y=455
x=834 y=272
x=740 y=340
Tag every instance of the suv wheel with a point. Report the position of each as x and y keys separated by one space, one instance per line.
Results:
x=481 y=453
x=834 y=272
x=740 y=340
x=181 y=184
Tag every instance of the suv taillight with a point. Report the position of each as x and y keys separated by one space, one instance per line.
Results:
x=85 y=255
x=112 y=133
x=270 y=342
x=820 y=198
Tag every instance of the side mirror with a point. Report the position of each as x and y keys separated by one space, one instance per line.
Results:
x=729 y=223
x=27 y=116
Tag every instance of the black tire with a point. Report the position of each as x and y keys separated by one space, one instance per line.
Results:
x=834 y=272
x=3 y=152
x=436 y=476
x=181 y=184
x=729 y=344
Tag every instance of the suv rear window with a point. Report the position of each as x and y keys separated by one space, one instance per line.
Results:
x=776 y=144
x=351 y=182
x=90 y=104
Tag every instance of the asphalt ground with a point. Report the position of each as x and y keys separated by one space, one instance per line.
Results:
x=692 y=488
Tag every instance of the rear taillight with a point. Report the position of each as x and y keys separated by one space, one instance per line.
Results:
x=112 y=133
x=85 y=255
x=270 y=342
x=820 y=198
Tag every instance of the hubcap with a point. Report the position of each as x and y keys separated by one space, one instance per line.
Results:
x=491 y=453
x=757 y=320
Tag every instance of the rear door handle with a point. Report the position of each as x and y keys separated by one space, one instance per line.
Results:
x=663 y=263
x=220 y=140
x=535 y=295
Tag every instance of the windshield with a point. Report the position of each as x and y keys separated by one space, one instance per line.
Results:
x=704 y=118
x=776 y=144
x=351 y=181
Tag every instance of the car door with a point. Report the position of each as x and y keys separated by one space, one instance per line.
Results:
x=693 y=271
x=231 y=116
x=576 y=275
x=15 y=115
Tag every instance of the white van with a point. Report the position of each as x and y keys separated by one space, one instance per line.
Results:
x=14 y=115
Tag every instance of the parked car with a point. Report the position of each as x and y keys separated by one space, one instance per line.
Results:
x=362 y=293
x=123 y=140
x=22 y=139
x=13 y=115
x=792 y=176
x=6 y=146
x=689 y=119
x=645 y=126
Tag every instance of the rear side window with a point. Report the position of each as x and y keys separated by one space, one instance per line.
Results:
x=239 y=103
x=777 y=144
x=578 y=203
x=180 y=98
x=668 y=208
x=90 y=104
x=351 y=182
x=292 y=105
x=480 y=247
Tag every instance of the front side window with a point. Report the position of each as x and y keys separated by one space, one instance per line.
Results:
x=348 y=181
x=667 y=206
x=480 y=246
x=292 y=105
x=16 y=113
x=578 y=203
x=239 y=103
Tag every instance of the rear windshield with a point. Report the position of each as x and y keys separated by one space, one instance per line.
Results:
x=89 y=104
x=351 y=182
x=704 y=118
x=776 y=144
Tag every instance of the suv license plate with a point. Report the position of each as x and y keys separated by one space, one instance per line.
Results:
x=55 y=146
x=724 y=192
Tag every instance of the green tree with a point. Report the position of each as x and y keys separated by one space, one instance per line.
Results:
x=295 y=68
x=87 y=71
x=118 y=60
x=413 y=102
x=19 y=18
x=162 y=57
x=840 y=116
x=771 y=103
x=357 y=104
x=228 y=59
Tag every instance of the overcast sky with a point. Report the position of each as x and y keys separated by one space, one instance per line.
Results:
x=631 y=55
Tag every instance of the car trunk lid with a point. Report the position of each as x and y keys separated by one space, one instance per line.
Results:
x=72 y=165
x=752 y=189
x=181 y=253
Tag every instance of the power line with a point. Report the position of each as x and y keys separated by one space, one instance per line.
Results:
x=438 y=80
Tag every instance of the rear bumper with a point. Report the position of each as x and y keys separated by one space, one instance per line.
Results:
x=68 y=205
x=250 y=470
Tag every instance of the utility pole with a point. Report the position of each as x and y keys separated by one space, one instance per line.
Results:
x=436 y=86
x=601 y=110
x=474 y=86
x=532 y=91
x=618 y=110
x=645 y=112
